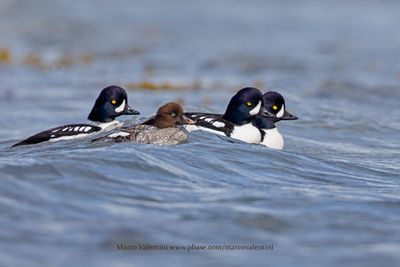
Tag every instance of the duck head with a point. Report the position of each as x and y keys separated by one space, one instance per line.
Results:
x=111 y=103
x=274 y=103
x=244 y=106
x=170 y=115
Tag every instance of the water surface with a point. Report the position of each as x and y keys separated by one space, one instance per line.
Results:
x=330 y=198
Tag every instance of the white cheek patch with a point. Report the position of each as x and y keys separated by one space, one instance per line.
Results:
x=121 y=107
x=281 y=111
x=256 y=110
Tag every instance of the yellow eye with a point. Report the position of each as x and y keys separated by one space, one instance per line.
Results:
x=248 y=104
x=113 y=101
x=275 y=107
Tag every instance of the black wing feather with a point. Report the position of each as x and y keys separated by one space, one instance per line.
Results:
x=57 y=132
x=196 y=117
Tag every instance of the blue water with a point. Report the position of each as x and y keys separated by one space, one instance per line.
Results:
x=330 y=198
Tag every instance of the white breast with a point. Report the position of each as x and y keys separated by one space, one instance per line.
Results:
x=247 y=133
x=273 y=139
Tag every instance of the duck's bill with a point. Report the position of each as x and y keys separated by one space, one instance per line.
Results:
x=130 y=111
x=185 y=120
x=288 y=116
x=266 y=114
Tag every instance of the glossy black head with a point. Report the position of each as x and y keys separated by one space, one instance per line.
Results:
x=244 y=105
x=111 y=103
x=274 y=103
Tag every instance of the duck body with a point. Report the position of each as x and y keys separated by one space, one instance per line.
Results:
x=161 y=129
x=244 y=124
x=274 y=103
x=111 y=103
x=64 y=132
x=148 y=134
x=236 y=122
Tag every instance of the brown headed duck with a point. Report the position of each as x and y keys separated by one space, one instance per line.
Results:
x=161 y=129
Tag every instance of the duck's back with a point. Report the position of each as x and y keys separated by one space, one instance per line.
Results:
x=147 y=134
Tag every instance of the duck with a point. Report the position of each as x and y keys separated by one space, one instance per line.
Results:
x=111 y=103
x=274 y=103
x=237 y=121
x=161 y=129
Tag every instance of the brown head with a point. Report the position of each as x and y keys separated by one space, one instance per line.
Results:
x=170 y=115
